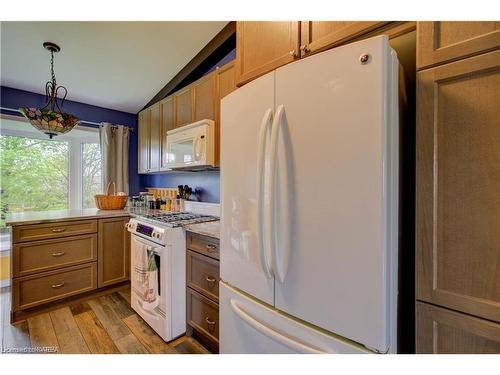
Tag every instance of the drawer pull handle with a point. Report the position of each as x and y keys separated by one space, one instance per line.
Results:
x=55 y=286
x=210 y=281
x=211 y=324
x=61 y=253
x=58 y=230
x=211 y=248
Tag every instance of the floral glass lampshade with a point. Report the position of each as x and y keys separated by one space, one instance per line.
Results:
x=50 y=119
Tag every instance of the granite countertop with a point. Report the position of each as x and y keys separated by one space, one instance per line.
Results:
x=211 y=228
x=37 y=217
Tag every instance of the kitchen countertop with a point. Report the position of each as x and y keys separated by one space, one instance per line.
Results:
x=38 y=217
x=211 y=228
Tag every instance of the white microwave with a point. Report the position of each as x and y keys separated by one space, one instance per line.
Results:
x=191 y=146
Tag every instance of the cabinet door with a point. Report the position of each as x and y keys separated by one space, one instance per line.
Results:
x=183 y=108
x=441 y=41
x=458 y=180
x=225 y=85
x=154 y=139
x=264 y=46
x=167 y=123
x=442 y=331
x=204 y=98
x=319 y=35
x=113 y=253
x=143 y=141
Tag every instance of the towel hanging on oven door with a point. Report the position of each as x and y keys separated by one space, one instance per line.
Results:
x=145 y=276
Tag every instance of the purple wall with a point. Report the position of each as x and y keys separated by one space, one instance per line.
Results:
x=207 y=184
x=14 y=98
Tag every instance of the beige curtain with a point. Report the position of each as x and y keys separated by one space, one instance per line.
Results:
x=114 y=155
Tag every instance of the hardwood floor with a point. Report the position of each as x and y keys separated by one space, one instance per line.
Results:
x=100 y=325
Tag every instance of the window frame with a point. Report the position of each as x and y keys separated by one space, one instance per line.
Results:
x=75 y=154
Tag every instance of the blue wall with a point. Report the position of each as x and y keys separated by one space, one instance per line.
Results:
x=14 y=98
x=206 y=183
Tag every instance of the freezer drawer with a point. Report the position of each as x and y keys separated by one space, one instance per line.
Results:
x=250 y=327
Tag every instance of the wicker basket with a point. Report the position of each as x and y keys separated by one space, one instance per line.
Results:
x=110 y=201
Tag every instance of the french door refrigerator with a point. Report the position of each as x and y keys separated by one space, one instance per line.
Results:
x=309 y=206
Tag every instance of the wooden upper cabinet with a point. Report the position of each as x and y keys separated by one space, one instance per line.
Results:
x=226 y=83
x=319 y=35
x=143 y=141
x=113 y=251
x=441 y=331
x=439 y=42
x=458 y=180
x=204 y=97
x=154 y=141
x=264 y=46
x=183 y=108
x=167 y=123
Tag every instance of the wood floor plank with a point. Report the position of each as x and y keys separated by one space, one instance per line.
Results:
x=145 y=334
x=130 y=345
x=68 y=334
x=126 y=295
x=42 y=332
x=96 y=337
x=188 y=345
x=79 y=308
x=119 y=304
x=109 y=319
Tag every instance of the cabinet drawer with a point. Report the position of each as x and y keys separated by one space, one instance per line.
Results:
x=33 y=232
x=203 y=274
x=39 y=256
x=203 y=315
x=203 y=244
x=443 y=331
x=49 y=286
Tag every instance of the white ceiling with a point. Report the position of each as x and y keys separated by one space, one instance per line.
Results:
x=116 y=65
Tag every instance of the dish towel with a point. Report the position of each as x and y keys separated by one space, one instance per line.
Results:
x=145 y=276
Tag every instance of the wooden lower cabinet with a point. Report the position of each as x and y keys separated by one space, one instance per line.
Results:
x=202 y=290
x=443 y=331
x=114 y=251
x=444 y=41
x=63 y=263
x=38 y=289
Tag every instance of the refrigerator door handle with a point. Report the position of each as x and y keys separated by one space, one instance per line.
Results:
x=280 y=264
x=261 y=196
x=271 y=333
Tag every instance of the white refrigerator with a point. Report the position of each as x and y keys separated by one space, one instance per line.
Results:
x=309 y=206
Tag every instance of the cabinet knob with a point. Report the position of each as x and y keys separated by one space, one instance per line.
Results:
x=210 y=281
x=305 y=49
x=211 y=248
x=211 y=324
x=293 y=53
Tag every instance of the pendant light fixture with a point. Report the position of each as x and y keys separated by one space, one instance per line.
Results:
x=50 y=119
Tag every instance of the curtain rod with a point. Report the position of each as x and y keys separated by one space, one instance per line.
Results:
x=82 y=121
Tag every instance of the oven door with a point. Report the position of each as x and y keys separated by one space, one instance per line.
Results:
x=153 y=314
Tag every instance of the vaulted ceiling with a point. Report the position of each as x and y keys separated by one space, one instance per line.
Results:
x=116 y=65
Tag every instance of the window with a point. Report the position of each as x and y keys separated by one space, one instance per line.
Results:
x=42 y=174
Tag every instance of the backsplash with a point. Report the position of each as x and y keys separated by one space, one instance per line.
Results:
x=205 y=184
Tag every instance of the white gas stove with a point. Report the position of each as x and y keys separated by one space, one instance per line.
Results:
x=159 y=282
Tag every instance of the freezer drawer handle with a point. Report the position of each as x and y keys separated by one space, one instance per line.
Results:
x=271 y=333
